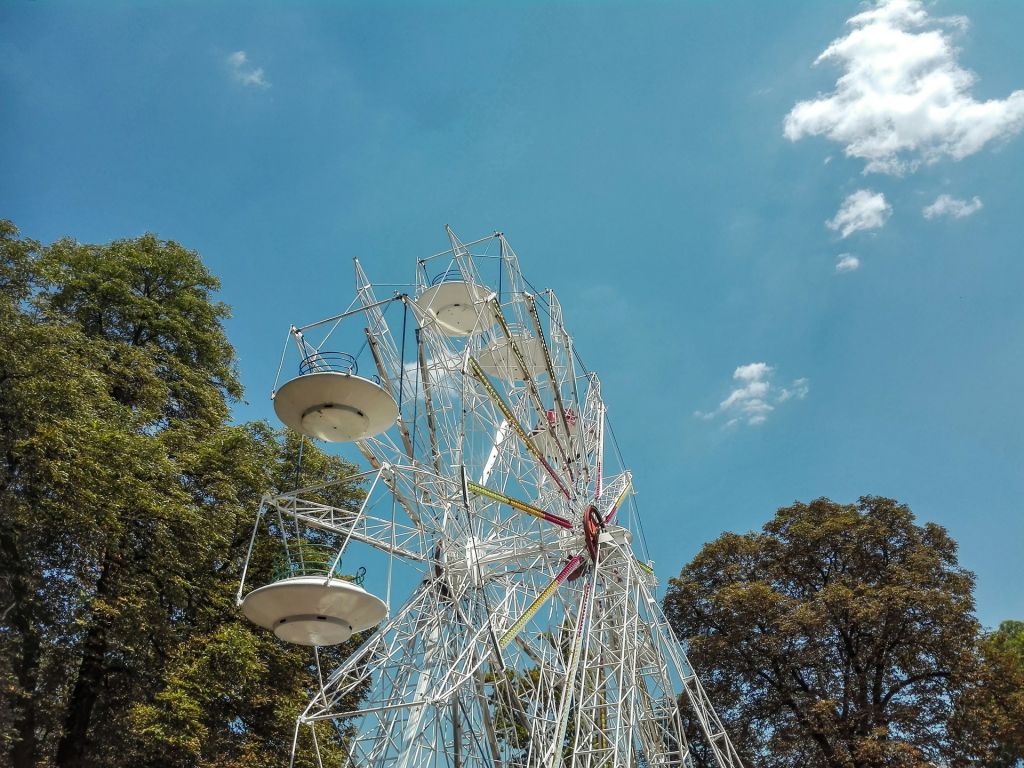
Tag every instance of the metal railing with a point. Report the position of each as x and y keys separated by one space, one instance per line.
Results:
x=305 y=559
x=450 y=275
x=329 y=362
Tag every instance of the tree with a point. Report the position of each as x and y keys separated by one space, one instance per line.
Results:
x=126 y=502
x=989 y=717
x=838 y=636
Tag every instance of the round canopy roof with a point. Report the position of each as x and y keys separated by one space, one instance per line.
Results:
x=336 y=407
x=499 y=360
x=313 y=610
x=457 y=306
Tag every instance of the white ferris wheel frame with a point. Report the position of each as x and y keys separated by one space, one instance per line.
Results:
x=534 y=638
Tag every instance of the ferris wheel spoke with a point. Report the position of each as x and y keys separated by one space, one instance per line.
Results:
x=531 y=305
x=532 y=387
x=569 y=568
x=610 y=515
x=542 y=598
x=517 y=427
x=557 y=326
x=521 y=506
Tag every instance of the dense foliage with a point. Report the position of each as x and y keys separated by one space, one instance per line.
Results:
x=843 y=636
x=126 y=502
x=989 y=719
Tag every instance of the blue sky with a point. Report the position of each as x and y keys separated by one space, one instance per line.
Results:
x=650 y=163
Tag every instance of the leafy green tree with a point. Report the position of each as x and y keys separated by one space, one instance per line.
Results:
x=126 y=502
x=838 y=636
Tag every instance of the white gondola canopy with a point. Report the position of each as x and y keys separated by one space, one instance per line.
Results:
x=314 y=610
x=499 y=359
x=459 y=307
x=329 y=401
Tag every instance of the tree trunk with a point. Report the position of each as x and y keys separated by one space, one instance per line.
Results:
x=20 y=617
x=71 y=751
x=23 y=753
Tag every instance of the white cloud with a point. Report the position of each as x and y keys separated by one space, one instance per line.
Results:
x=244 y=72
x=756 y=396
x=798 y=390
x=903 y=99
x=752 y=371
x=847 y=262
x=947 y=205
x=863 y=209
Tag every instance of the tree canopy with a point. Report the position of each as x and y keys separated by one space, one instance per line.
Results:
x=989 y=718
x=126 y=502
x=839 y=635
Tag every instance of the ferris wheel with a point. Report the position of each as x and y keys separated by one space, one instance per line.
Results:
x=531 y=635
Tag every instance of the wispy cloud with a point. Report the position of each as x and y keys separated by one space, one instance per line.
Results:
x=244 y=72
x=754 y=396
x=847 y=262
x=863 y=209
x=799 y=389
x=947 y=205
x=903 y=99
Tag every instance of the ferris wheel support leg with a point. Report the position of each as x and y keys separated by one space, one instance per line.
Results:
x=485 y=711
x=355 y=670
x=588 y=672
x=415 y=722
x=568 y=689
x=711 y=726
x=512 y=696
x=295 y=742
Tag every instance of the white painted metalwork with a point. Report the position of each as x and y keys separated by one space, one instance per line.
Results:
x=335 y=407
x=532 y=637
x=312 y=610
